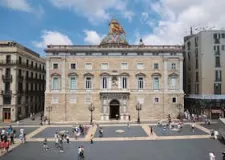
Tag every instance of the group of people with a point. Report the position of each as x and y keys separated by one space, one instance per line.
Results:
x=7 y=137
x=79 y=130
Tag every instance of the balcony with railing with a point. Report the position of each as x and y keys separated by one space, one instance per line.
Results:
x=21 y=64
x=7 y=78
x=6 y=92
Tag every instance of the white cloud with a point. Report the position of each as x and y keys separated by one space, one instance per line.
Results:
x=96 y=10
x=52 y=38
x=22 y=5
x=177 y=16
x=92 y=37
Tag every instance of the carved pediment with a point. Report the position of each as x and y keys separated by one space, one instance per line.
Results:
x=173 y=75
x=124 y=74
x=88 y=75
x=156 y=74
x=73 y=74
x=105 y=74
x=55 y=74
x=140 y=74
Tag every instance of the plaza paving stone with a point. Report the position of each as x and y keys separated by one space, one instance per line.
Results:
x=197 y=149
x=133 y=131
x=27 y=130
x=50 y=132
x=185 y=131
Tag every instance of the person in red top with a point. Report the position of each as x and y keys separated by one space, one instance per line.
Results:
x=7 y=143
x=1 y=146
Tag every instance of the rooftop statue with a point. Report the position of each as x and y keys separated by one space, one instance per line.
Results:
x=115 y=28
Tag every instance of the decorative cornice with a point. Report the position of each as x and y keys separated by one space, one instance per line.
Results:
x=105 y=74
x=88 y=74
x=156 y=74
x=140 y=74
x=124 y=74
x=173 y=75
x=55 y=74
x=73 y=74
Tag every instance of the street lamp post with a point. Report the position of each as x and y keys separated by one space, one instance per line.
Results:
x=138 y=108
x=91 y=109
x=49 y=109
x=179 y=106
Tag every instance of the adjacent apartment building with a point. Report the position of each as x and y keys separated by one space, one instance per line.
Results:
x=114 y=77
x=22 y=81
x=204 y=70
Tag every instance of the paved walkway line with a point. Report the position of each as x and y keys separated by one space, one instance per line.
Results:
x=35 y=132
x=202 y=128
x=91 y=133
x=127 y=138
x=147 y=130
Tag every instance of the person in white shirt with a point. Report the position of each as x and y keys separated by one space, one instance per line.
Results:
x=212 y=156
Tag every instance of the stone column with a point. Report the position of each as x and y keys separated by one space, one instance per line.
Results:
x=181 y=74
x=63 y=74
x=165 y=75
x=47 y=75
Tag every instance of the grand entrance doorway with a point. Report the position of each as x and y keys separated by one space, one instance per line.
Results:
x=6 y=115
x=114 y=109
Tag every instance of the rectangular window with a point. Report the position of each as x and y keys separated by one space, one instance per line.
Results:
x=124 y=65
x=55 y=100
x=72 y=82
x=196 y=88
x=223 y=47
x=55 y=83
x=88 y=83
x=217 y=88
x=72 y=66
x=156 y=83
x=140 y=82
x=217 y=61
x=218 y=76
x=223 y=35
x=8 y=59
x=140 y=65
x=104 y=66
x=55 y=66
x=173 y=66
x=88 y=99
x=173 y=81
x=196 y=64
x=156 y=66
x=88 y=66
x=174 y=100
x=104 y=82
x=196 y=76
x=124 y=82
x=156 y=100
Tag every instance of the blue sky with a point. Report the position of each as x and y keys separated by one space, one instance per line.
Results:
x=36 y=23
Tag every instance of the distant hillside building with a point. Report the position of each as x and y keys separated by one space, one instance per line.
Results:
x=22 y=81
x=115 y=77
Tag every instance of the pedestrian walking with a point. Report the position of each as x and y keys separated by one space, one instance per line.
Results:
x=101 y=132
x=151 y=130
x=6 y=146
x=45 y=144
x=92 y=139
x=212 y=156
x=128 y=125
x=193 y=127
x=67 y=139
x=61 y=144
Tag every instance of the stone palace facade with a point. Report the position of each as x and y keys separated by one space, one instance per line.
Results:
x=114 y=76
